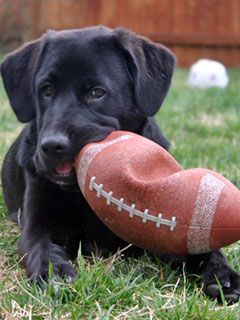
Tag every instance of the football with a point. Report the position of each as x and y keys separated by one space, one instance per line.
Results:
x=146 y=198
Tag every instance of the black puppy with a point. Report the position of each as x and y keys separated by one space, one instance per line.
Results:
x=74 y=87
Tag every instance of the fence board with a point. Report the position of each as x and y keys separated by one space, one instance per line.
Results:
x=191 y=28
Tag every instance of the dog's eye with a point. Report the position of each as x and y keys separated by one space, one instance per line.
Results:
x=47 y=91
x=97 y=93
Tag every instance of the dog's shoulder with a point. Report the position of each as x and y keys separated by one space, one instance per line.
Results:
x=152 y=131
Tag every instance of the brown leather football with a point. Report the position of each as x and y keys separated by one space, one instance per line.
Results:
x=146 y=198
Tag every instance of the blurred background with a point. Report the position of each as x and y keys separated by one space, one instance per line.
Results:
x=192 y=29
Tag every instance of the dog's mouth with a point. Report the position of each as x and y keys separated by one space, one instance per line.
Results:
x=64 y=173
x=65 y=169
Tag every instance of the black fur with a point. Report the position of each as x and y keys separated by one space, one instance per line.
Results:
x=74 y=87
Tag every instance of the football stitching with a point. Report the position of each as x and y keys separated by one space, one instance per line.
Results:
x=159 y=220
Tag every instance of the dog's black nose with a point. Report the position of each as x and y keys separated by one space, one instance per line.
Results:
x=54 y=145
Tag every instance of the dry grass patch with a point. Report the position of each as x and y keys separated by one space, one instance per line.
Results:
x=216 y=120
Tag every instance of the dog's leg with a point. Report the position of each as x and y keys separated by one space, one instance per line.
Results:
x=214 y=270
x=48 y=231
x=13 y=184
x=216 y=275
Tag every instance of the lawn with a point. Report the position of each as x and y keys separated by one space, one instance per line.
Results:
x=204 y=130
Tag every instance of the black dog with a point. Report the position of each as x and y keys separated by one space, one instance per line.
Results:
x=74 y=87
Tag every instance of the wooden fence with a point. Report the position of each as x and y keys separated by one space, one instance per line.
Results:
x=191 y=28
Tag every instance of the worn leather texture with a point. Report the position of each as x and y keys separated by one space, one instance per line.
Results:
x=145 y=197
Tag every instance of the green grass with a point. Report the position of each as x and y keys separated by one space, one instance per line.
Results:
x=204 y=129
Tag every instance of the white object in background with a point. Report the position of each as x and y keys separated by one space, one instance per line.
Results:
x=207 y=73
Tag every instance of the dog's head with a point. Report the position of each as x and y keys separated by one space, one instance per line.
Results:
x=79 y=85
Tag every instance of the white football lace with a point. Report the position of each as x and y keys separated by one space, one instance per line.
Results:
x=159 y=220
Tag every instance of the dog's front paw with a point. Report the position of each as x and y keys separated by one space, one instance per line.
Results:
x=43 y=258
x=221 y=282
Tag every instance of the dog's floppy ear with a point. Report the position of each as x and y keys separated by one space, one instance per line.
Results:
x=17 y=72
x=151 y=66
